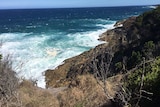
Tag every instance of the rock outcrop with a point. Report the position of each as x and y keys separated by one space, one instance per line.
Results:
x=127 y=36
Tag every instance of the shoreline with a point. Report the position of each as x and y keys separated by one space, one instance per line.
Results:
x=39 y=76
x=80 y=59
x=82 y=64
x=33 y=48
x=112 y=26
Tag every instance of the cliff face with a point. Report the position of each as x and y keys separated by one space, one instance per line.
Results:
x=72 y=67
x=127 y=36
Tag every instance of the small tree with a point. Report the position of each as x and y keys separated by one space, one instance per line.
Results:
x=101 y=69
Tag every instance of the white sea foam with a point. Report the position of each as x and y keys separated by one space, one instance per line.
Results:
x=152 y=7
x=38 y=54
x=30 y=26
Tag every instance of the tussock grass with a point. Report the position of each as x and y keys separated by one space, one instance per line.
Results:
x=33 y=96
x=14 y=93
x=82 y=92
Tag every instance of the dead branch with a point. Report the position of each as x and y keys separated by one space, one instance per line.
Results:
x=101 y=69
x=141 y=91
x=137 y=67
x=123 y=96
x=8 y=82
x=141 y=84
x=101 y=65
x=149 y=93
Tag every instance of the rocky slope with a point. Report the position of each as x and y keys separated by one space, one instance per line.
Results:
x=126 y=39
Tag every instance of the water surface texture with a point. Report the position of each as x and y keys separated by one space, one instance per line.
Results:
x=42 y=39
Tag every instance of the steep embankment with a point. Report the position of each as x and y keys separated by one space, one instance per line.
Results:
x=131 y=40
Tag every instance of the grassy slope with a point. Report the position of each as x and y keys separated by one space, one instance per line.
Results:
x=83 y=91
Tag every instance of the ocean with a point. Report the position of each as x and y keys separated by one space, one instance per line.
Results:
x=41 y=39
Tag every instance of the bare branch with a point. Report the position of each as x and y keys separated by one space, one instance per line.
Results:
x=149 y=93
x=101 y=65
x=135 y=68
x=8 y=83
x=146 y=98
x=141 y=84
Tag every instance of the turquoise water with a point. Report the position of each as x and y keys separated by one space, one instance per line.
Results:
x=42 y=39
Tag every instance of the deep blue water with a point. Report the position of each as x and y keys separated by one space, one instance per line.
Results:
x=44 y=38
x=69 y=20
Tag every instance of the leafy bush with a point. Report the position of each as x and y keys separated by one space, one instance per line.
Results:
x=151 y=83
x=118 y=66
x=135 y=59
x=148 y=49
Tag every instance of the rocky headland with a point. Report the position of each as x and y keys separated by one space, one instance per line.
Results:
x=123 y=72
x=130 y=58
x=128 y=35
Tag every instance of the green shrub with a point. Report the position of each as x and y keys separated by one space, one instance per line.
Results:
x=151 y=82
x=118 y=66
x=148 y=49
x=135 y=59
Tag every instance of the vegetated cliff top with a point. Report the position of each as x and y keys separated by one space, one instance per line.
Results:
x=127 y=41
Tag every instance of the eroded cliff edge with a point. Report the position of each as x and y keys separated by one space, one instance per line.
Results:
x=128 y=35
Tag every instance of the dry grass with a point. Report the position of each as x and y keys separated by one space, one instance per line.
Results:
x=8 y=84
x=83 y=92
x=33 y=96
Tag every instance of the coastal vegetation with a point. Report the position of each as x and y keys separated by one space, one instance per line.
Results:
x=133 y=45
x=125 y=72
x=16 y=92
